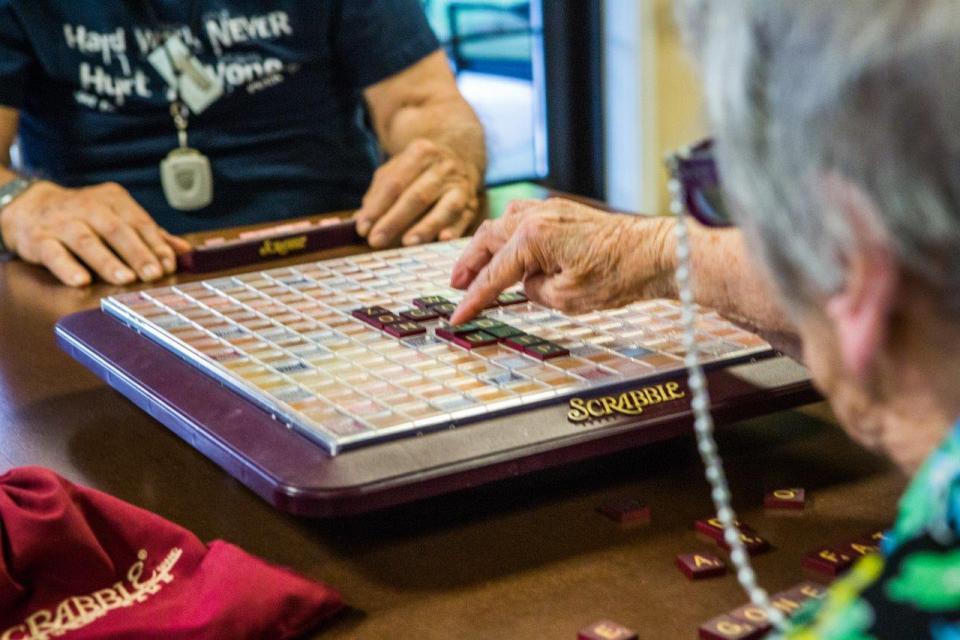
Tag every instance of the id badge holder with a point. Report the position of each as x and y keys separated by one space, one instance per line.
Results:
x=187 y=179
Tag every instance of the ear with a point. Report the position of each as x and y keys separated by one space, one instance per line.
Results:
x=861 y=310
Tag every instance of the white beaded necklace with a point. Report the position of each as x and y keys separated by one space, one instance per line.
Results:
x=703 y=419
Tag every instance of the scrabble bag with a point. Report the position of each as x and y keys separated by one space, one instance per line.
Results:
x=79 y=564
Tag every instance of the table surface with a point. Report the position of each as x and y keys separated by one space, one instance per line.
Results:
x=522 y=558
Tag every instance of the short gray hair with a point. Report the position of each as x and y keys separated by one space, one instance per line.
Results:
x=864 y=90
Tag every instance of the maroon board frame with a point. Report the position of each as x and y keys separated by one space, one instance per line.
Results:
x=297 y=476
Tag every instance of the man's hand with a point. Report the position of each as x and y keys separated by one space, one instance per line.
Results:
x=99 y=227
x=570 y=257
x=428 y=189
x=424 y=193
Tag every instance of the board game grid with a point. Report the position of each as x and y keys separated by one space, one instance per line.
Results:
x=356 y=350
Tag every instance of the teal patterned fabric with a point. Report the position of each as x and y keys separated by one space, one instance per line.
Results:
x=911 y=589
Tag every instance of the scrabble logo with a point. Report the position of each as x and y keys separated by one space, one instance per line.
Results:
x=629 y=403
x=77 y=612
x=282 y=246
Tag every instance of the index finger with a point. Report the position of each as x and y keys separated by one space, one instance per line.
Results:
x=489 y=238
x=485 y=243
x=506 y=268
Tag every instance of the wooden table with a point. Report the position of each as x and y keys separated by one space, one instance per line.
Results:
x=524 y=558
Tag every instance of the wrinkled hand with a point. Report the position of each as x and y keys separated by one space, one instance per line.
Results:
x=101 y=228
x=424 y=193
x=570 y=257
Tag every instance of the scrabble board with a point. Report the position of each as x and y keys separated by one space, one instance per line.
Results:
x=354 y=354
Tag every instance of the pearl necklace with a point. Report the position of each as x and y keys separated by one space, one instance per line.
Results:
x=703 y=419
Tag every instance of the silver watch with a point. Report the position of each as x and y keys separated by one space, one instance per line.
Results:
x=8 y=193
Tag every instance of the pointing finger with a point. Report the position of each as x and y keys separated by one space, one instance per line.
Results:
x=506 y=268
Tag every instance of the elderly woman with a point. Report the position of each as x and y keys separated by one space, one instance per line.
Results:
x=838 y=138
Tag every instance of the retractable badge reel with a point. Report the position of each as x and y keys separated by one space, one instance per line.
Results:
x=185 y=173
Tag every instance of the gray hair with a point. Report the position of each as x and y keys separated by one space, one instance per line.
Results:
x=867 y=91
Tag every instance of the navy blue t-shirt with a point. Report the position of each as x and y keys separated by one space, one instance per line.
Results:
x=289 y=136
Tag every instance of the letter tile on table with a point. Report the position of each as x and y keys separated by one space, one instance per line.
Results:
x=626 y=511
x=752 y=615
x=697 y=566
x=794 y=498
x=713 y=529
x=606 y=630
x=726 y=627
x=754 y=543
x=419 y=315
x=826 y=561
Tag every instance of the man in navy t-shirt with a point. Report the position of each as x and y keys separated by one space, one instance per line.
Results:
x=288 y=102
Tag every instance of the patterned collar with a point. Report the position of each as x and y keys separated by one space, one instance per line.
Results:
x=931 y=504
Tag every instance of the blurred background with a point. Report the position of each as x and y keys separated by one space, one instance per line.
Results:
x=586 y=96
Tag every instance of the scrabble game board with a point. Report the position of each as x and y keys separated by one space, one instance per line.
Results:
x=337 y=386
x=355 y=351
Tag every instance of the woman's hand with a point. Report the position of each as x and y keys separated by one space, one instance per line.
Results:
x=570 y=257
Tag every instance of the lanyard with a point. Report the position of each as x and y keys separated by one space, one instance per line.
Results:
x=178 y=111
x=185 y=174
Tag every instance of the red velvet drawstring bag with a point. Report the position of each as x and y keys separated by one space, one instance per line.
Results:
x=79 y=564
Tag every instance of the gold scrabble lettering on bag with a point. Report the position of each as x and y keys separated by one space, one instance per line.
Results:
x=79 y=611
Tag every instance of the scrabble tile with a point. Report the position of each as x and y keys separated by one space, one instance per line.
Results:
x=793 y=499
x=786 y=602
x=404 y=329
x=485 y=324
x=449 y=332
x=514 y=297
x=504 y=332
x=474 y=340
x=826 y=561
x=369 y=312
x=429 y=301
x=697 y=566
x=754 y=543
x=626 y=511
x=545 y=351
x=468 y=327
x=371 y=320
x=385 y=319
x=713 y=529
x=752 y=615
x=856 y=549
x=726 y=627
x=804 y=591
x=444 y=310
x=606 y=630
x=419 y=315
x=521 y=342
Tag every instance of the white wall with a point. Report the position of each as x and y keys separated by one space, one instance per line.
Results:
x=630 y=117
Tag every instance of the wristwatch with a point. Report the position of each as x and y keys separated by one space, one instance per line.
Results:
x=8 y=193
